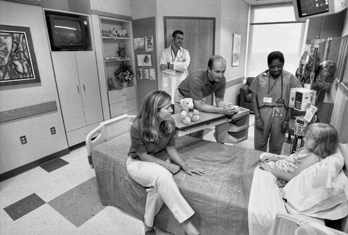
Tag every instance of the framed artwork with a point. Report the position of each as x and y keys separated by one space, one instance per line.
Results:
x=146 y=74
x=18 y=63
x=144 y=60
x=236 y=44
x=139 y=43
x=140 y=73
x=152 y=74
x=148 y=43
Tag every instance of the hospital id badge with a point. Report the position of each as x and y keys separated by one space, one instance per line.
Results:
x=267 y=100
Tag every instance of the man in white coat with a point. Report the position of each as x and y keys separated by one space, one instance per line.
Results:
x=174 y=62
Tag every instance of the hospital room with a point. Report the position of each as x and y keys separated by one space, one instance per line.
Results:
x=174 y=117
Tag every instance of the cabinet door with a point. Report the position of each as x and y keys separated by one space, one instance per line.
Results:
x=69 y=89
x=88 y=74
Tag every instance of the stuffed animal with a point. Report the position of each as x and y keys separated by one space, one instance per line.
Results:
x=113 y=33
x=121 y=51
x=121 y=33
x=188 y=113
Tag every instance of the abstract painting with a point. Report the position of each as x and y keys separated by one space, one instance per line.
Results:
x=17 y=57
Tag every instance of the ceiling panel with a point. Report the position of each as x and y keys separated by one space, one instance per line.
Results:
x=264 y=2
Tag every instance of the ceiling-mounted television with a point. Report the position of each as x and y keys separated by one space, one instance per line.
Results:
x=67 y=32
x=305 y=9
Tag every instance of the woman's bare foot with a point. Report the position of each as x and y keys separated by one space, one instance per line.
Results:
x=189 y=228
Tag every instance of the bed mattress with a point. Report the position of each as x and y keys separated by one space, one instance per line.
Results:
x=219 y=197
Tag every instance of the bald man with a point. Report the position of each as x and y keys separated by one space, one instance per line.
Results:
x=202 y=83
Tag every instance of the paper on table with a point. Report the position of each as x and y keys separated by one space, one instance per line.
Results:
x=169 y=71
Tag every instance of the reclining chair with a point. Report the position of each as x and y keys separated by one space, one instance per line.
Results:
x=245 y=95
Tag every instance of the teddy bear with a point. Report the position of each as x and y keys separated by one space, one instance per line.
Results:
x=113 y=33
x=188 y=113
x=121 y=51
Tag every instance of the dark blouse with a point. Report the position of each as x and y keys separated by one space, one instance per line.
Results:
x=138 y=144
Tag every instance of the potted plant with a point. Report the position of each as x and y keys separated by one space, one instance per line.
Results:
x=124 y=74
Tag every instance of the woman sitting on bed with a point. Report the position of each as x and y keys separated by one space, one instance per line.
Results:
x=153 y=131
x=320 y=141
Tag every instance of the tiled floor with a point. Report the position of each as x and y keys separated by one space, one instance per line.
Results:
x=61 y=197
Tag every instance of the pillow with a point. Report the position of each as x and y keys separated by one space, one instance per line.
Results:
x=320 y=190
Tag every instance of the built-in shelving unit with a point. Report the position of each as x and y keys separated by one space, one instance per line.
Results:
x=113 y=32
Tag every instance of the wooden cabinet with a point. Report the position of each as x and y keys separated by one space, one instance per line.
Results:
x=109 y=34
x=123 y=101
x=79 y=94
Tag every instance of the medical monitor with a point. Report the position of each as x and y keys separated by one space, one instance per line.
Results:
x=305 y=9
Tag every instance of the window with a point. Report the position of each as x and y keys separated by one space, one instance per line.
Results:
x=274 y=28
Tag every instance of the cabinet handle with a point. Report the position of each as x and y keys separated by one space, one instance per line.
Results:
x=84 y=88
x=78 y=89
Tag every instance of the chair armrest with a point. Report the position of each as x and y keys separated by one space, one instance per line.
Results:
x=244 y=91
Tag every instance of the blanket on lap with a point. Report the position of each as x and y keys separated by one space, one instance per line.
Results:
x=220 y=197
x=319 y=191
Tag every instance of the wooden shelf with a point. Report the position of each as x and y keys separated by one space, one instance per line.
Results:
x=118 y=38
x=114 y=60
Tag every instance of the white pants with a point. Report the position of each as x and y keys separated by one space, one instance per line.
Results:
x=162 y=189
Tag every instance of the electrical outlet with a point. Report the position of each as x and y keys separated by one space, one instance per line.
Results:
x=53 y=130
x=23 y=139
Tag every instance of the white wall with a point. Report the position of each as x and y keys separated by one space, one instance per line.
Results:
x=345 y=27
x=36 y=128
x=120 y=7
x=234 y=19
x=143 y=9
x=339 y=117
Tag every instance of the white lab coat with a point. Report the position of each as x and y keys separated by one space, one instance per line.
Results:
x=181 y=62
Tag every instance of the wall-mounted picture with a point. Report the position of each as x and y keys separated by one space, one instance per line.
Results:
x=236 y=44
x=140 y=73
x=17 y=57
x=146 y=74
x=144 y=60
x=139 y=43
x=148 y=43
x=152 y=74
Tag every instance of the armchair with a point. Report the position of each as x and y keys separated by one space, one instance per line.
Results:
x=245 y=95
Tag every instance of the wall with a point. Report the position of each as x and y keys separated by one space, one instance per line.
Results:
x=143 y=9
x=234 y=19
x=120 y=7
x=339 y=117
x=36 y=128
x=231 y=17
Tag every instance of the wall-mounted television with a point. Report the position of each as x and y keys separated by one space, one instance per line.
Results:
x=305 y=9
x=67 y=32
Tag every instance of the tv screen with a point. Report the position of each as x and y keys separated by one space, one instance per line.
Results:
x=67 y=32
x=305 y=9
x=308 y=8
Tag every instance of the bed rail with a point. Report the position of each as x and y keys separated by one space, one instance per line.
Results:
x=106 y=131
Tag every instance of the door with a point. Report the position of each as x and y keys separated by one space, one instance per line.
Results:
x=69 y=89
x=88 y=76
x=199 y=39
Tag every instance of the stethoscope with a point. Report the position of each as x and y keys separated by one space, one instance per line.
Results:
x=172 y=53
x=281 y=100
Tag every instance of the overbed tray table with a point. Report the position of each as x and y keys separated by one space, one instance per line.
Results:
x=228 y=129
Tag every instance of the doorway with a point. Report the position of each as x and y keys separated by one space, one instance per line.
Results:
x=199 y=39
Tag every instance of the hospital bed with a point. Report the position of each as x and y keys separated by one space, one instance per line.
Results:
x=220 y=197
